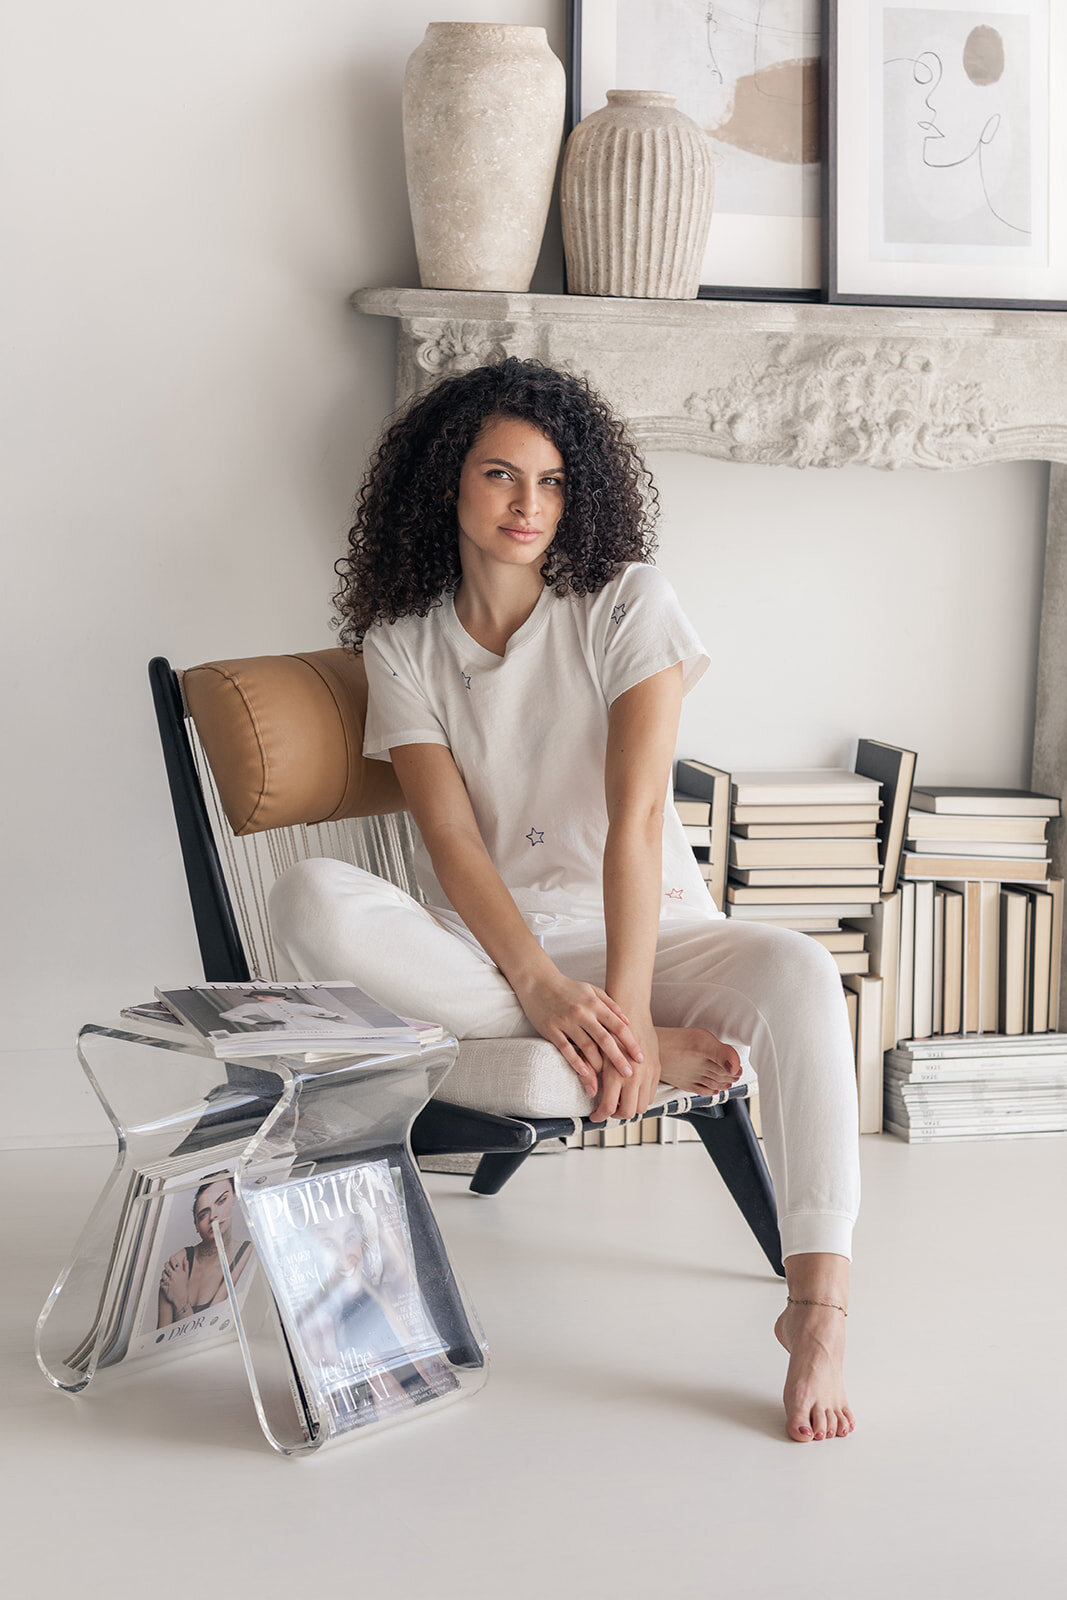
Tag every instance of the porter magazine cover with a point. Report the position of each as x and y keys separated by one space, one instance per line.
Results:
x=339 y=1253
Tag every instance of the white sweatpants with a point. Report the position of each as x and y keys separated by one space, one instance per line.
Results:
x=750 y=984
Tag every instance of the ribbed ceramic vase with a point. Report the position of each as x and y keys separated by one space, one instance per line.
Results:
x=636 y=193
x=483 y=120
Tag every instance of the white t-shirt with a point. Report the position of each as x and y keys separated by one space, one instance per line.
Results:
x=528 y=733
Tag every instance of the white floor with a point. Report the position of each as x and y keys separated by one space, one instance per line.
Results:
x=629 y=1442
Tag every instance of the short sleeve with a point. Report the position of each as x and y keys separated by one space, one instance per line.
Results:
x=642 y=630
x=397 y=709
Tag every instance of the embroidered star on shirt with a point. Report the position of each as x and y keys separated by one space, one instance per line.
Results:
x=674 y=894
x=466 y=679
x=536 y=836
x=618 y=613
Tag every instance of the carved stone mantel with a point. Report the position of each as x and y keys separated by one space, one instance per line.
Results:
x=798 y=386
x=783 y=385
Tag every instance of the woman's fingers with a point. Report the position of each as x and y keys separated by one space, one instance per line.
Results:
x=610 y=1003
x=612 y=1052
x=577 y=1062
x=627 y=1106
x=622 y=1030
x=587 y=1049
x=608 y=1099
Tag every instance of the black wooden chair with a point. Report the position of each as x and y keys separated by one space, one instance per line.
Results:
x=265 y=766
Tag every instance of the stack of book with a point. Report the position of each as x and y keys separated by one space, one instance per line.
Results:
x=803 y=849
x=981 y=921
x=807 y=850
x=983 y=834
x=702 y=801
x=978 y=1088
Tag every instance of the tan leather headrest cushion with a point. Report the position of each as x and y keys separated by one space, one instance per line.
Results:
x=284 y=739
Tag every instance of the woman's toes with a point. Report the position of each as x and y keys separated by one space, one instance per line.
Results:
x=800 y=1427
x=818 y=1422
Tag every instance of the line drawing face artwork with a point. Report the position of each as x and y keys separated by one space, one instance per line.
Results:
x=963 y=135
x=748 y=72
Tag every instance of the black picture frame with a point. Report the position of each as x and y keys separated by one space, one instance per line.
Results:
x=707 y=291
x=846 y=223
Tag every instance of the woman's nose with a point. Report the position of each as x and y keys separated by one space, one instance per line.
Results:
x=525 y=497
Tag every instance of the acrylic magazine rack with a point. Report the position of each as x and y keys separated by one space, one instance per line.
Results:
x=276 y=1202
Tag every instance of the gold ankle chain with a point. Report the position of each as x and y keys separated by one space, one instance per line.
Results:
x=828 y=1303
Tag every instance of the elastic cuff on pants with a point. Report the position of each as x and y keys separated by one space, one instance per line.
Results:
x=815 y=1232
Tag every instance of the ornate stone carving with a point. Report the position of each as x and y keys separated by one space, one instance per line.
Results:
x=795 y=385
x=830 y=405
x=442 y=348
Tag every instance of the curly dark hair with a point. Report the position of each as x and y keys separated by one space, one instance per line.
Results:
x=403 y=552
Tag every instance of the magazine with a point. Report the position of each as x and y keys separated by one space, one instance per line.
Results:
x=123 y=1278
x=150 y=1011
x=164 y=1282
x=338 y=1249
x=183 y=1297
x=254 y=1018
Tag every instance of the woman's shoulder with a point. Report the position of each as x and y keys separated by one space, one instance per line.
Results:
x=405 y=634
x=633 y=583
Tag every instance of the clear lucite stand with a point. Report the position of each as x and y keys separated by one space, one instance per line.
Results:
x=276 y=1201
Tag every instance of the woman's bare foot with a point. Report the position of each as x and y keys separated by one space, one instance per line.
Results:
x=694 y=1060
x=816 y=1406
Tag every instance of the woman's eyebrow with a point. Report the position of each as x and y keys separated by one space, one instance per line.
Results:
x=496 y=461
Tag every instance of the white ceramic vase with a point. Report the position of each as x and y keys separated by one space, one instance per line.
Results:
x=483 y=120
x=636 y=195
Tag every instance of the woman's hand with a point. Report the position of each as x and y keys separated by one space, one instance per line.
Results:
x=586 y=1026
x=630 y=1097
x=174 y=1284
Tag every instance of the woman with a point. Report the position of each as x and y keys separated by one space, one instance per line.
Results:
x=192 y=1279
x=526 y=669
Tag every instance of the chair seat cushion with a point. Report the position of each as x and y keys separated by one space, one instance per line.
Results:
x=525 y=1078
x=515 y=1078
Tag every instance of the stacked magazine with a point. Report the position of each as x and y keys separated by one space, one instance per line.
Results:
x=338 y=1251
x=269 y=1019
x=337 y=1247
x=982 y=1087
x=165 y=1288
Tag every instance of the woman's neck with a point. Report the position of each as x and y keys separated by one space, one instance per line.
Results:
x=493 y=606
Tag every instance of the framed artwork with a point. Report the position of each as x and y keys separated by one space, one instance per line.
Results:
x=748 y=72
x=946 y=145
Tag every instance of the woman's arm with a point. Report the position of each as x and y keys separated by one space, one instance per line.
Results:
x=586 y=1026
x=642 y=732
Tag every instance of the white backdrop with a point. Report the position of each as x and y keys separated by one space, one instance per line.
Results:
x=187 y=197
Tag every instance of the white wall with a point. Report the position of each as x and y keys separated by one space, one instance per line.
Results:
x=188 y=195
x=899 y=606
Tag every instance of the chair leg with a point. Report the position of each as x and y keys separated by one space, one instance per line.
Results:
x=495 y=1169
x=731 y=1142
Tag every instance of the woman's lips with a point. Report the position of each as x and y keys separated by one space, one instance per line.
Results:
x=523 y=534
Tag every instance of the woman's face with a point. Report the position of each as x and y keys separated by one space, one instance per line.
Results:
x=510 y=495
x=214 y=1205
